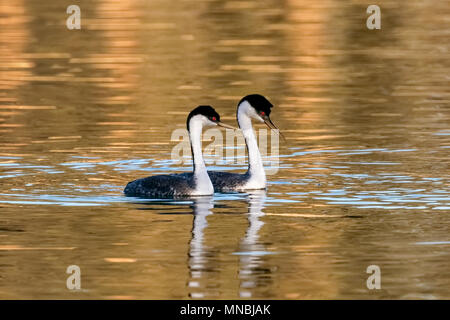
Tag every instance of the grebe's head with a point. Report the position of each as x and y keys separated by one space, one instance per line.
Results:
x=257 y=107
x=207 y=116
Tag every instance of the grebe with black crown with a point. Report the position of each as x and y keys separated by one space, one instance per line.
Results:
x=253 y=106
x=196 y=183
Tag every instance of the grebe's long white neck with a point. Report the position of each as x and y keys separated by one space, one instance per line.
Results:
x=202 y=181
x=255 y=165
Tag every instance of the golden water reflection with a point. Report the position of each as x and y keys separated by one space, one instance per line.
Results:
x=363 y=176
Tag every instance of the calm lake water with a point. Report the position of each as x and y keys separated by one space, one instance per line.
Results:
x=363 y=175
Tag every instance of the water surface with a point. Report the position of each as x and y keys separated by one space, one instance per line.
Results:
x=363 y=177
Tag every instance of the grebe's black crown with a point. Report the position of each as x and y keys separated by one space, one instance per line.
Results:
x=259 y=102
x=206 y=111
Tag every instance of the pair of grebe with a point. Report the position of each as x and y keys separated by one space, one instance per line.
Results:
x=201 y=182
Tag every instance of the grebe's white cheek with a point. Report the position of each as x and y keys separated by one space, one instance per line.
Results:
x=254 y=114
x=203 y=120
x=209 y=123
x=260 y=119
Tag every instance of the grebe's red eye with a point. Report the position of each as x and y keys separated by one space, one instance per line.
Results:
x=213 y=118
x=263 y=113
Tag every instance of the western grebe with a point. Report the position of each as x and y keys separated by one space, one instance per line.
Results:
x=196 y=183
x=257 y=107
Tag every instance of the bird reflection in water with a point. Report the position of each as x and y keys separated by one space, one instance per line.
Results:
x=251 y=249
x=197 y=256
x=251 y=270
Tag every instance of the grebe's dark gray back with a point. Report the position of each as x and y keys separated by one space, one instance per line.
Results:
x=254 y=106
x=196 y=183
